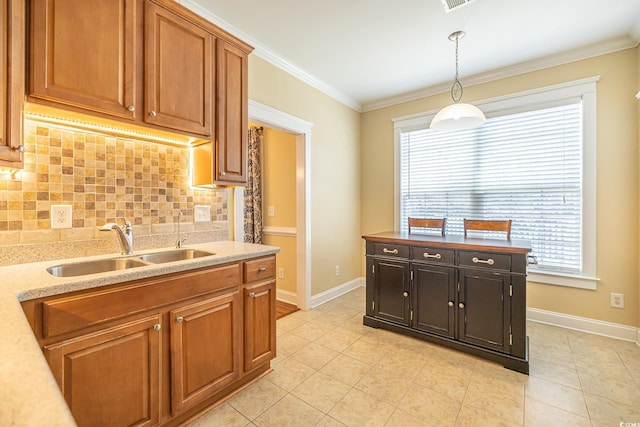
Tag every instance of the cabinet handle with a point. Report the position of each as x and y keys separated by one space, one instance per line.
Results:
x=131 y=108
x=477 y=260
x=450 y=303
x=153 y=113
x=406 y=294
x=461 y=305
x=387 y=251
x=262 y=269
x=157 y=327
x=179 y=319
x=252 y=294
x=19 y=148
x=436 y=256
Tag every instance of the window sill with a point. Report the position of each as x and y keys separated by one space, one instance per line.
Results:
x=559 y=279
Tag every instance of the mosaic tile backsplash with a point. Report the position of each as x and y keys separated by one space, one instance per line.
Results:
x=101 y=177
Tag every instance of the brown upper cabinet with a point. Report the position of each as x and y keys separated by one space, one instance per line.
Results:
x=146 y=62
x=178 y=72
x=12 y=40
x=85 y=54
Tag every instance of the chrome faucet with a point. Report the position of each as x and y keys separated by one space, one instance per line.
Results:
x=125 y=233
x=180 y=240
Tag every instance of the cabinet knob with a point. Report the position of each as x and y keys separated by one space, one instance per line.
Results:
x=157 y=327
x=450 y=303
x=461 y=305
x=20 y=148
x=179 y=319
x=153 y=113
x=252 y=294
x=131 y=108
x=223 y=173
x=406 y=294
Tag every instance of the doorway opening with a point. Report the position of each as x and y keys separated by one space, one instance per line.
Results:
x=301 y=131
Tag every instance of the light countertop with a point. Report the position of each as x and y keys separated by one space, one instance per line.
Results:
x=29 y=395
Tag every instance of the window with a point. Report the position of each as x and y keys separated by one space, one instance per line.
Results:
x=531 y=162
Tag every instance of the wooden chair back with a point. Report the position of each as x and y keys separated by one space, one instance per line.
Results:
x=435 y=223
x=488 y=225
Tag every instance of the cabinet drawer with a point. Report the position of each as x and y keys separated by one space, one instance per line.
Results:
x=485 y=260
x=385 y=249
x=441 y=256
x=259 y=269
x=64 y=315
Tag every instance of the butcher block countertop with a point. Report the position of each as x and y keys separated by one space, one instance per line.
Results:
x=29 y=395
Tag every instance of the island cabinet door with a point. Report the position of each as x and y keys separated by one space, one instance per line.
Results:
x=484 y=309
x=205 y=349
x=391 y=290
x=433 y=299
x=111 y=378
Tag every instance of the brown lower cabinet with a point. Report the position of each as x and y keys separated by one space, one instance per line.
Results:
x=158 y=351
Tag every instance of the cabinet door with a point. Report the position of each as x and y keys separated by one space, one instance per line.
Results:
x=232 y=102
x=433 y=299
x=111 y=378
x=484 y=309
x=259 y=324
x=83 y=54
x=178 y=70
x=205 y=349
x=391 y=295
x=12 y=17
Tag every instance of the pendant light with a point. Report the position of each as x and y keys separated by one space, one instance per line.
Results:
x=459 y=115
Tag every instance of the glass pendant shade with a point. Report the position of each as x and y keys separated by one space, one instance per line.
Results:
x=458 y=116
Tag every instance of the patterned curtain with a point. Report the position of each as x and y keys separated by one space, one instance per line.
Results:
x=253 y=190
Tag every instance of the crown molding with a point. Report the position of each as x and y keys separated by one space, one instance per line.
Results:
x=273 y=58
x=278 y=61
x=562 y=58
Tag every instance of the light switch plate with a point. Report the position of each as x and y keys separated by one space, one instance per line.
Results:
x=202 y=213
x=60 y=216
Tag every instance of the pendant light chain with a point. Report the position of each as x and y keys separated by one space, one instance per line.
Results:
x=456 y=89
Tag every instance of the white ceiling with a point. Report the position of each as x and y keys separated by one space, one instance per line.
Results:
x=371 y=53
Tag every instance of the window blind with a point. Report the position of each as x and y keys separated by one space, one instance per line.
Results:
x=524 y=166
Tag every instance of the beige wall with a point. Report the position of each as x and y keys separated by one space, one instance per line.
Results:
x=334 y=175
x=617 y=178
x=279 y=191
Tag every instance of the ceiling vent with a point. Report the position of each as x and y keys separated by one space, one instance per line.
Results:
x=450 y=5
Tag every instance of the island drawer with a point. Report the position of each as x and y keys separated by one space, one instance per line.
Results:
x=386 y=249
x=71 y=313
x=485 y=260
x=435 y=255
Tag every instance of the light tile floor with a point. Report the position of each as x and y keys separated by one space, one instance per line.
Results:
x=333 y=371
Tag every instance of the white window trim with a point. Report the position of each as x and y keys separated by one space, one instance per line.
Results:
x=585 y=88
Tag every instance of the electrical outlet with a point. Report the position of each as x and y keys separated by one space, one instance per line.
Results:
x=617 y=300
x=60 y=216
x=202 y=213
x=337 y=270
x=281 y=273
x=271 y=211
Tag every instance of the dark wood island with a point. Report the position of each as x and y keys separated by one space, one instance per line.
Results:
x=467 y=294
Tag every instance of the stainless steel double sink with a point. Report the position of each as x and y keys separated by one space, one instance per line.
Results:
x=83 y=268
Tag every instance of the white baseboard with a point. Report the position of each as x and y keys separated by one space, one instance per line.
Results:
x=584 y=324
x=287 y=296
x=336 y=291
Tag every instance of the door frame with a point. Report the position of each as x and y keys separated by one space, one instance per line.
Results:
x=275 y=119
